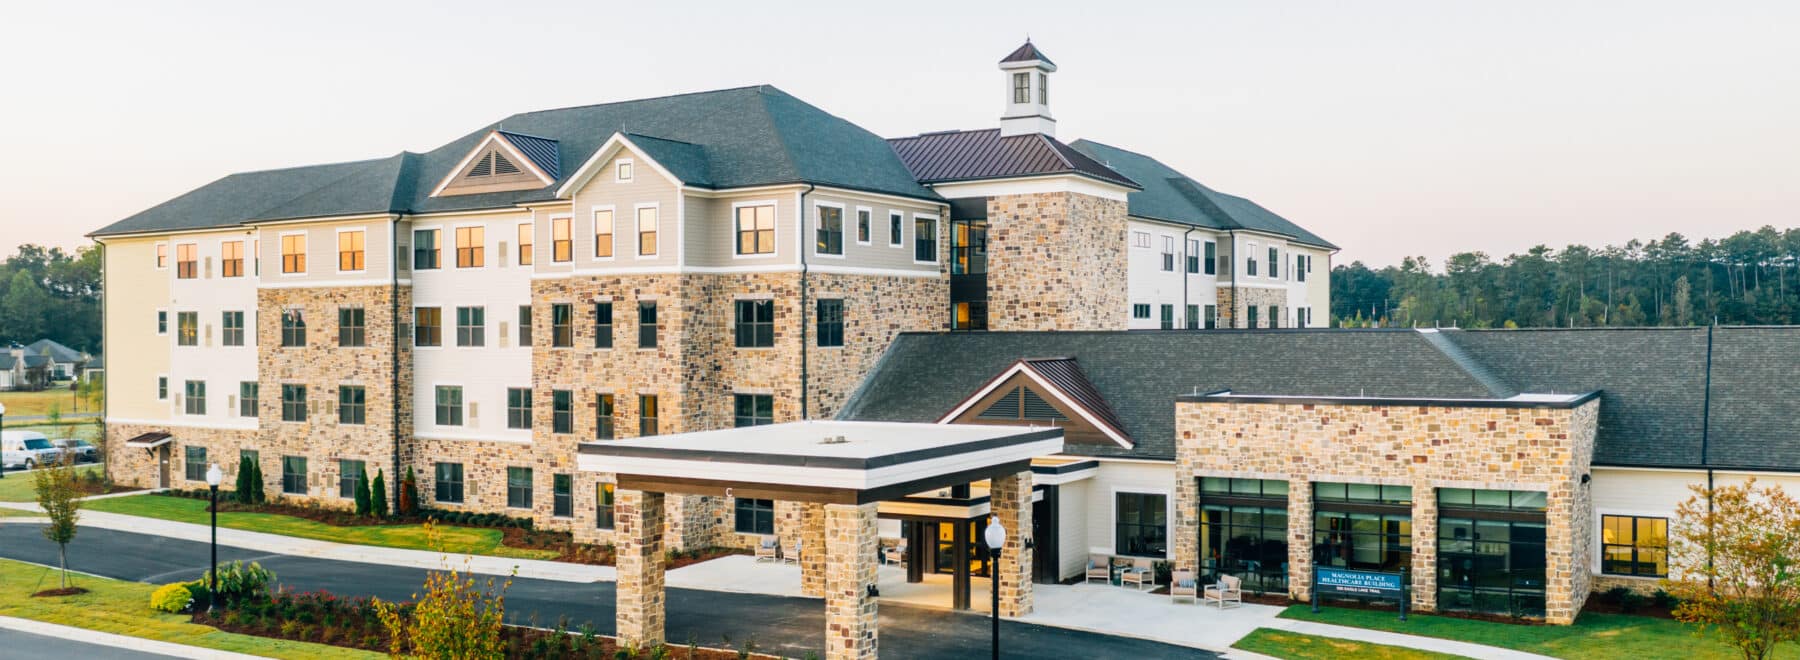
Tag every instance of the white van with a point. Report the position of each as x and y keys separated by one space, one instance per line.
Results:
x=27 y=450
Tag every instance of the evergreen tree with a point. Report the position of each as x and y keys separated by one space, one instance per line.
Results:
x=257 y=496
x=362 y=492
x=378 y=496
x=244 y=494
x=409 y=493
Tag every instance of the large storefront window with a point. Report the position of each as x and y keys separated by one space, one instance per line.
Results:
x=1491 y=551
x=1142 y=528
x=1633 y=545
x=1365 y=527
x=1243 y=531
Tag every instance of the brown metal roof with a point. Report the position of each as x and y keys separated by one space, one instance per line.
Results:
x=148 y=440
x=984 y=154
x=1026 y=53
x=1066 y=375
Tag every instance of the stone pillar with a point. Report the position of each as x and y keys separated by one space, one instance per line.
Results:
x=638 y=542
x=1010 y=498
x=1424 y=547
x=1186 y=527
x=692 y=522
x=812 y=549
x=1300 y=538
x=1566 y=574
x=851 y=538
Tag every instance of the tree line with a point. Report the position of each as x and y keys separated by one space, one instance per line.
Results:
x=1748 y=278
x=49 y=293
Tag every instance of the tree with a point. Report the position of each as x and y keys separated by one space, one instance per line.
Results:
x=242 y=493
x=455 y=617
x=256 y=483
x=378 y=496
x=362 y=492
x=24 y=308
x=61 y=500
x=1734 y=563
x=409 y=493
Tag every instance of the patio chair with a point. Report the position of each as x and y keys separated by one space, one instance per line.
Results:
x=1183 y=585
x=1138 y=574
x=1099 y=567
x=766 y=550
x=894 y=554
x=1228 y=590
x=794 y=555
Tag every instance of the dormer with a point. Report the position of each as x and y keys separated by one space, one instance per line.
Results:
x=503 y=162
x=1027 y=92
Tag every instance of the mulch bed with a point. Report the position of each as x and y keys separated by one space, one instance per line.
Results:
x=65 y=591
x=98 y=488
x=1598 y=604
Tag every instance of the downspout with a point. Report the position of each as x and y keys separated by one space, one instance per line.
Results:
x=1184 y=277
x=805 y=388
x=394 y=356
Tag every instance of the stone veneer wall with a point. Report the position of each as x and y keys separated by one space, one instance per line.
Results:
x=136 y=467
x=1424 y=447
x=1232 y=312
x=1056 y=261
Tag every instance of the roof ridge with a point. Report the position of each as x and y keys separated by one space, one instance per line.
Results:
x=1050 y=143
x=1466 y=362
x=652 y=98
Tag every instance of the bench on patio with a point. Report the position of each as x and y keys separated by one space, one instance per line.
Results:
x=1228 y=590
x=1183 y=585
x=766 y=550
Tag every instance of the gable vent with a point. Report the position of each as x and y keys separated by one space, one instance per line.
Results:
x=1005 y=408
x=485 y=167
x=503 y=166
x=1036 y=407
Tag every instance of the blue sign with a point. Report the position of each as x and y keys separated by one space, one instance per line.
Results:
x=1366 y=584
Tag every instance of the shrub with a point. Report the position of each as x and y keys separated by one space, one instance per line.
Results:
x=409 y=493
x=238 y=581
x=1631 y=602
x=378 y=500
x=244 y=472
x=197 y=589
x=1664 y=599
x=172 y=598
x=362 y=493
x=1616 y=595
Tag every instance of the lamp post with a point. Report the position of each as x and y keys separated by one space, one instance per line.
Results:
x=996 y=539
x=213 y=476
x=2 y=441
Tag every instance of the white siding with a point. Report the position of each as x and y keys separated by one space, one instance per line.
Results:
x=1071 y=525
x=485 y=372
x=1124 y=477
x=209 y=295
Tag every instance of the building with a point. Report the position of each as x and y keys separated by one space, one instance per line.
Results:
x=691 y=262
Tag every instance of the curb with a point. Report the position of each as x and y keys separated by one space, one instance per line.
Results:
x=117 y=641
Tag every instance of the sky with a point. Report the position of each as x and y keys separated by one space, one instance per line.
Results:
x=1389 y=128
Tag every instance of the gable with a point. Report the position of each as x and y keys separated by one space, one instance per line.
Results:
x=1025 y=396
x=496 y=165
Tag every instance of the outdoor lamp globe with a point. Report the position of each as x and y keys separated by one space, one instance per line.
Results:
x=995 y=534
x=214 y=475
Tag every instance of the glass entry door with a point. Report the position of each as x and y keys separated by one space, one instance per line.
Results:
x=945 y=557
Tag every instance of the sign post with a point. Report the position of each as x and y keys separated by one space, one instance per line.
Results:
x=1359 y=584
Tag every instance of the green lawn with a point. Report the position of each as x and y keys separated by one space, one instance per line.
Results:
x=14 y=513
x=1620 y=636
x=17 y=486
x=123 y=608
x=21 y=404
x=1295 y=646
x=470 y=540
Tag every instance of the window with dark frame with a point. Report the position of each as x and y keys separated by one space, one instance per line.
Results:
x=1193 y=256
x=428 y=326
x=448 y=404
x=1634 y=545
x=352 y=404
x=1140 y=310
x=1302 y=265
x=351 y=474
x=425 y=249
x=247 y=398
x=518 y=407
x=755 y=327
x=647 y=414
x=293 y=403
x=647 y=324
x=194 y=462
x=1274 y=264
x=1193 y=317
x=1141 y=525
x=829 y=225
x=293 y=475
x=518 y=487
x=603 y=417
x=187 y=328
x=524 y=326
x=1211 y=263
x=1210 y=315
x=753 y=516
x=293 y=328
x=562 y=327
x=603 y=505
x=351 y=329
x=756 y=229
x=162 y=388
x=231 y=329
x=925 y=239
x=753 y=409
x=1168 y=317
x=1250 y=315
x=896 y=225
x=1250 y=261
x=194 y=397
x=562 y=411
x=830 y=330
x=471 y=326
x=562 y=495
x=603 y=324
x=1274 y=316
x=162 y=322
x=1168 y=254
x=864 y=217
x=447 y=487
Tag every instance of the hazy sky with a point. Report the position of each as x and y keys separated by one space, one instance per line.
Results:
x=1390 y=128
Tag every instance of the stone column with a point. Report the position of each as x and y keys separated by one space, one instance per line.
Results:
x=1424 y=547
x=1010 y=498
x=638 y=542
x=1300 y=538
x=812 y=549
x=851 y=538
x=692 y=522
x=1565 y=552
x=1186 y=527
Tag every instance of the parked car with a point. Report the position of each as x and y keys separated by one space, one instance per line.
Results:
x=27 y=449
x=82 y=450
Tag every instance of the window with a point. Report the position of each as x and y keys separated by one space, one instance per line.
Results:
x=968 y=247
x=293 y=253
x=562 y=495
x=1243 y=530
x=1363 y=541
x=448 y=486
x=1250 y=260
x=562 y=411
x=351 y=329
x=1211 y=264
x=162 y=256
x=971 y=315
x=350 y=478
x=1140 y=311
x=428 y=326
x=647 y=324
x=1168 y=317
x=1021 y=87
x=1211 y=316
x=603 y=417
x=194 y=460
x=603 y=325
x=1168 y=254
x=1193 y=256
x=603 y=234
x=647 y=414
x=1140 y=239
x=1302 y=266
x=1193 y=317
x=562 y=328
x=518 y=487
x=1250 y=315
x=162 y=322
x=350 y=250
x=293 y=403
x=187 y=328
x=449 y=405
x=194 y=399
x=1491 y=550
x=1302 y=316
x=864 y=217
x=293 y=475
x=1141 y=525
x=471 y=326
x=1274 y=264
x=624 y=171
x=831 y=322
x=425 y=249
x=293 y=327
x=352 y=404
x=526 y=236
x=187 y=264
x=754 y=516
x=925 y=239
x=646 y=227
x=756 y=229
x=231 y=329
x=1633 y=545
x=755 y=323
x=562 y=246
x=247 y=393
x=754 y=409
x=829 y=226
x=1363 y=494
x=1043 y=89
x=896 y=221
x=603 y=506
x=162 y=388
x=470 y=245
x=518 y=408
x=524 y=325
x=1274 y=316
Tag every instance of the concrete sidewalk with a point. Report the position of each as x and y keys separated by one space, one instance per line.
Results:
x=93 y=638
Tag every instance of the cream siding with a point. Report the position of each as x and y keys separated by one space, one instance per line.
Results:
x=134 y=291
x=878 y=253
x=322 y=254
x=646 y=187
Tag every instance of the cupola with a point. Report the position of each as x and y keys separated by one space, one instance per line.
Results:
x=1027 y=92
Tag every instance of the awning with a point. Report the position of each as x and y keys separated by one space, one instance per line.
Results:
x=150 y=440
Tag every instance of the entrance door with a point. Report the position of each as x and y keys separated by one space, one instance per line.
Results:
x=162 y=466
x=1044 y=559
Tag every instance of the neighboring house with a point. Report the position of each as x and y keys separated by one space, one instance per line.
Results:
x=95 y=369
x=25 y=369
x=64 y=363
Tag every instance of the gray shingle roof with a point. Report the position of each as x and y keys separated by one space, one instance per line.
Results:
x=54 y=349
x=1652 y=381
x=985 y=154
x=745 y=137
x=1175 y=197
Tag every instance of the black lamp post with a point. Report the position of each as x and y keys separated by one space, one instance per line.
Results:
x=213 y=477
x=2 y=441
x=996 y=539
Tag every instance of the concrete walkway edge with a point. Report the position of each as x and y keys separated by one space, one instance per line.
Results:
x=118 y=641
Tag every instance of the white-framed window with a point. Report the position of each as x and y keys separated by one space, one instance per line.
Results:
x=562 y=243
x=605 y=232
x=925 y=238
x=896 y=229
x=753 y=228
x=1140 y=239
x=646 y=229
x=293 y=253
x=527 y=242
x=162 y=322
x=1140 y=310
x=187 y=261
x=828 y=229
x=351 y=252
x=623 y=170
x=1168 y=254
x=865 y=219
x=471 y=246
x=162 y=256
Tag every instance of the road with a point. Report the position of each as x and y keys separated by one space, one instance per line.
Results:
x=27 y=645
x=786 y=626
